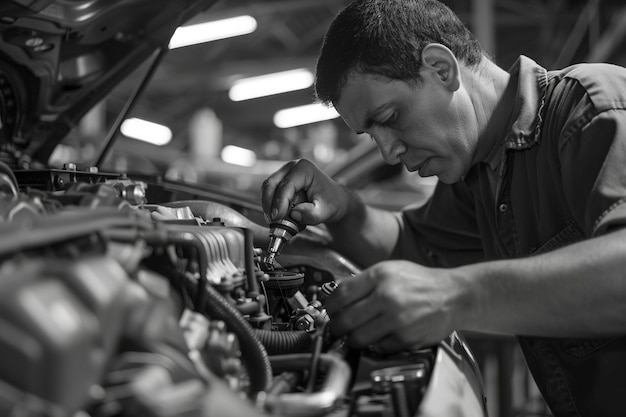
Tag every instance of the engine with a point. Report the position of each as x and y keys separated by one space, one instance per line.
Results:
x=116 y=305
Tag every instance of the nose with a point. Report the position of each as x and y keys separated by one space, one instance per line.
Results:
x=390 y=148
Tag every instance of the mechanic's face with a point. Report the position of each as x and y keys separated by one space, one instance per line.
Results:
x=428 y=127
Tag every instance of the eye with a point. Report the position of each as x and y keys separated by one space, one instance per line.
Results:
x=389 y=121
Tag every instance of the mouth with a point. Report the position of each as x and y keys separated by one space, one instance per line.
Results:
x=418 y=168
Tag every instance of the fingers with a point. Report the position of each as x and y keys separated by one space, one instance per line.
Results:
x=365 y=326
x=350 y=291
x=370 y=333
x=382 y=331
x=394 y=343
x=269 y=190
x=359 y=314
x=381 y=308
x=355 y=312
x=286 y=187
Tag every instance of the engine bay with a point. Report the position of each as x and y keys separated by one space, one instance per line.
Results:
x=116 y=306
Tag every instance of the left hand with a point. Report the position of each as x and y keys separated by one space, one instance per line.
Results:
x=396 y=305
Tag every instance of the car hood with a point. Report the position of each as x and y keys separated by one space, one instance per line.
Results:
x=58 y=59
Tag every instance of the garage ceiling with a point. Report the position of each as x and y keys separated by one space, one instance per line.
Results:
x=290 y=32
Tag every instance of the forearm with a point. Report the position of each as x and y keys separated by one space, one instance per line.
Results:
x=364 y=234
x=576 y=291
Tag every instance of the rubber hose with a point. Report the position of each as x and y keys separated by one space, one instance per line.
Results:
x=5 y=169
x=253 y=352
x=254 y=355
x=281 y=342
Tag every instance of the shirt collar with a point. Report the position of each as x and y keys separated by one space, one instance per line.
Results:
x=529 y=102
x=532 y=82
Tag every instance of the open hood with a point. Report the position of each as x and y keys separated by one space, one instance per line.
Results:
x=59 y=58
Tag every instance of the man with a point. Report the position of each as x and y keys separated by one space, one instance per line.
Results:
x=525 y=233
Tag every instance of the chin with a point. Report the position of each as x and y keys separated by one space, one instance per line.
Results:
x=449 y=177
x=445 y=180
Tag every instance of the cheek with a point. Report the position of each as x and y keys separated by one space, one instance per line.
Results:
x=462 y=147
x=460 y=139
x=460 y=158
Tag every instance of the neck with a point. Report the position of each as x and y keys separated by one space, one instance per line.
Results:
x=488 y=83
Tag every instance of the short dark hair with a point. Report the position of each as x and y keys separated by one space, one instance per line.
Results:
x=386 y=37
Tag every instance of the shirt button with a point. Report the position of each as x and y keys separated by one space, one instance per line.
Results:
x=503 y=208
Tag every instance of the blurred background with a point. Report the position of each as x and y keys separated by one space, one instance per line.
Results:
x=211 y=128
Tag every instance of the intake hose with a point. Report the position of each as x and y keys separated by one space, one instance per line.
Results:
x=254 y=355
x=281 y=342
x=253 y=352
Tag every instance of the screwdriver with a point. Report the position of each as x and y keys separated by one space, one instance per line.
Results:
x=283 y=230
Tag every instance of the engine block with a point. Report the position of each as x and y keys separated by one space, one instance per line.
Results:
x=116 y=306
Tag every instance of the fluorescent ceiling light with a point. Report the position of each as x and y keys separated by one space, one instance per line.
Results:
x=146 y=131
x=302 y=115
x=238 y=156
x=270 y=84
x=212 y=31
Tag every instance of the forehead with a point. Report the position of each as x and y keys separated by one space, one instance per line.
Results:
x=363 y=95
x=361 y=82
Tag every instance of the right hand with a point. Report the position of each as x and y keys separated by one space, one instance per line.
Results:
x=326 y=200
x=396 y=305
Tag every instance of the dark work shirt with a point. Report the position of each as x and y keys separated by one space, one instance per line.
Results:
x=556 y=176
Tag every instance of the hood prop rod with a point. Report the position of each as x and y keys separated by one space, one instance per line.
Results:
x=158 y=54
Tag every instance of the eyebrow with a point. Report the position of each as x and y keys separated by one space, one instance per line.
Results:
x=371 y=115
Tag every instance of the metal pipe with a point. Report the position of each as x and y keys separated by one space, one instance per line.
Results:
x=315 y=404
x=102 y=154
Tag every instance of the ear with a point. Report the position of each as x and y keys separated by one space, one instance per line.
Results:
x=444 y=65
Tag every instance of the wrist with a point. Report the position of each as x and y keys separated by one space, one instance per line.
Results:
x=350 y=207
x=470 y=300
